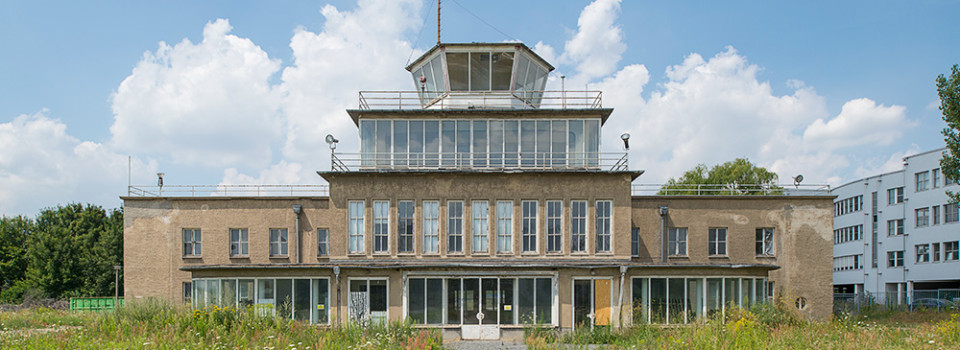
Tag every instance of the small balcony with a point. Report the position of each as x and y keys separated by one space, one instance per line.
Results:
x=487 y=161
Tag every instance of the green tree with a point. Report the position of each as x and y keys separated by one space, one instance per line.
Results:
x=949 y=90
x=73 y=249
x=13 y=237
x=737 y=177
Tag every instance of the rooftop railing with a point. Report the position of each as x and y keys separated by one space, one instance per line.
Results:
x=487 y=161
x=228 y=190
x=444 y=100
x=730 y=190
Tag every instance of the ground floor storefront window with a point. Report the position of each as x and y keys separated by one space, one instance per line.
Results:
x=480 y=300
x=678 y=300
x=305 y=299
x=368 y=300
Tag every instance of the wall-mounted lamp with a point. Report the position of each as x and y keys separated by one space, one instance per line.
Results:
x=626 y=140
x=160 y=180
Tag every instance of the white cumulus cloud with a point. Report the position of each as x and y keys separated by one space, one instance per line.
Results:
x=208 y=103
x=860 y=122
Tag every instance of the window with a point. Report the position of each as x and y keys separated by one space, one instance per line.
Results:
x=635 y=242
x=528 y=226
x=356 y=227
x=578 y=226
x=950 y=213
x=604 y=225
x=677 y=241
x=894 y=227
x=239 y=246
x=765 y=241
x=922 y=181
x=381 y=226
x=504 y=227
x=923 y=217
x=923 y=253
x=936 y=251
x=895 y=258
x=950 y=250
x=481 y=210
x=278 y=242
x=936 y=214
x=323 y=239
x=947 y=181
x=405 y=226
x=187 y=292
x=895 y=196
x=191 y=242
x=454 y=226
x=848 y=205
x=847 y=234
x=848 y=262
x=425 y=300
x=936 y=178
x=554 y=226
x=431 y=227
x=717 y=241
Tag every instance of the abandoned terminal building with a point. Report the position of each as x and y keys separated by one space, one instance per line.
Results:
x=479 y=203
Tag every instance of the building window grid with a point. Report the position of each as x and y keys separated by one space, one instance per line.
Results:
x=554 y=226
x=356 y=227
x=604 y=225
x=848 y=234
x=848 y=205
x=848 y=262
x=922 y=181
x=431 y=227
x=239 y=242
x=895 y=258
x=504 y=226
x=936 y=251
x=528 y=226
x=922 y=217
x=278 y=242
x=895 y=227
x=381 y=226
x=192 y=238
x=578 y=226
x=936 y=214
x=405 y=212
x=717 y=241
x=765 y=246
x=951 y=251
x=895 y=196
x=935 y=182
x=677 y=241
x=323 y=241
x=481 y=228
x=951 y=213
x=454 y=226
x=922 y=253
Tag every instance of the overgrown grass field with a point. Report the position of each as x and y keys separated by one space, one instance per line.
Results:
x=156 y=325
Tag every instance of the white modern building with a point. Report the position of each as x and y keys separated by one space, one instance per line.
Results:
x=896 y=234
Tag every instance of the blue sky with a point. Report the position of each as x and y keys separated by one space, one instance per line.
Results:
x=833 y=90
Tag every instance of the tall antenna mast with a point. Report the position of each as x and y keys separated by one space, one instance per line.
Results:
x=438 y=22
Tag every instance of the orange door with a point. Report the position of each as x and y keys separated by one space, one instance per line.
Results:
x=601 y=302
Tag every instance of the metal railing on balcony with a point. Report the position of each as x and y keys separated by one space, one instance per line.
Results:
x=414 y=100
x=228 y=190
x=480 y=161
x=730 y=190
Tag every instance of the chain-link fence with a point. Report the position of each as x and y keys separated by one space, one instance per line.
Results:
x=866 y=302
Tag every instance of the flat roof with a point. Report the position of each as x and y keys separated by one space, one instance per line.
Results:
x=356 y=114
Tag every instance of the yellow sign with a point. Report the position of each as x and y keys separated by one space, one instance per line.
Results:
x=320 y=307
x=507 y=307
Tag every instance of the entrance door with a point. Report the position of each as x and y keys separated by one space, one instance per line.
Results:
x=591 y=302
x=480 y=316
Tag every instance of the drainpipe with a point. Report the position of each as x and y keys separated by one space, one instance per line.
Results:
x=297 y=209
x=663 y=233
x=623 y=272
x=336 y=273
